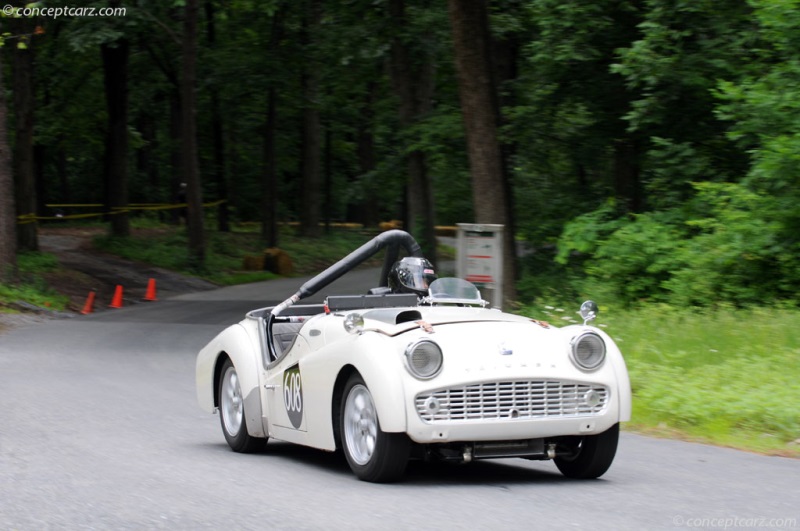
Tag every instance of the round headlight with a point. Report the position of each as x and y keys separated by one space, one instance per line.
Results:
x=354 y=323
x=424 y=359
x=588 y=351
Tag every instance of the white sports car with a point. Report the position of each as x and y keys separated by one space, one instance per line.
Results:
x=419 y=368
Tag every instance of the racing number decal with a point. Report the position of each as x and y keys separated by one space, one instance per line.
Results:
x=293 y=395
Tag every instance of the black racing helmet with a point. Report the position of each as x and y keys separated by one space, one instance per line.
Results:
x=411 y=275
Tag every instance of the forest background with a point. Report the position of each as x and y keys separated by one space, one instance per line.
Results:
x=646 y=151
x=653 y=145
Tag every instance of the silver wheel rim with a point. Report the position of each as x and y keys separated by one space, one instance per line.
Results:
x=360 y=424
x=231 y=402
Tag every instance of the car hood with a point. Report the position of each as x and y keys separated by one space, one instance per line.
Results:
x=396 y=321
x=479 y=343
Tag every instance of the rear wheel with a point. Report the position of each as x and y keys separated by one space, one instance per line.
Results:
x=231 y=413
x=373 y=455
x=591 y=455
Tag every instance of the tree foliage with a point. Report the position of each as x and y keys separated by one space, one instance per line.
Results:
x=716 y=101
x=646 y=147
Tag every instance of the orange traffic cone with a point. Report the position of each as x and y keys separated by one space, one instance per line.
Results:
x=88 y=307
x=150 y=295
x=116 y=302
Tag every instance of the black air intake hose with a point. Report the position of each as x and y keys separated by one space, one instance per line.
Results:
x=393 y=239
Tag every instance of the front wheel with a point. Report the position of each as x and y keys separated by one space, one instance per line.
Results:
x=373 y=455
x=590 y=456
x=231 y=413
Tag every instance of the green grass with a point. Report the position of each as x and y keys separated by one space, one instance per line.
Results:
x=31 y=287
x=727 y=376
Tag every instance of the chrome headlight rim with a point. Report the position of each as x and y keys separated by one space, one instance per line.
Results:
x=578 y=361
x=353 y=323
x=411 y=367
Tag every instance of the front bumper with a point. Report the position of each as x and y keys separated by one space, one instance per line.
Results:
x=511 y=410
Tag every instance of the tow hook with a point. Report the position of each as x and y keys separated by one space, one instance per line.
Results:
x=467 y=455
x=551 y=451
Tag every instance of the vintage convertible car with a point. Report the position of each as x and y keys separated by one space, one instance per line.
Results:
x=411 y=370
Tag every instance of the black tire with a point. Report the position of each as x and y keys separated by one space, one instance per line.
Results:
x=593 y=455
x=232 y=417
x=373 y=455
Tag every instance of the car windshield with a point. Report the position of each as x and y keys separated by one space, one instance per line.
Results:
x=454 y=291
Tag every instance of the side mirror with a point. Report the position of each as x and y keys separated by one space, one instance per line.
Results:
x=589 y=311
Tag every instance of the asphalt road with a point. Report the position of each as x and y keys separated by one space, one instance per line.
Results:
x=99 y=429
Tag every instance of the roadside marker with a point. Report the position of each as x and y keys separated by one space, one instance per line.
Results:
x=151 y=290
x=116 y=302
x=88 y=307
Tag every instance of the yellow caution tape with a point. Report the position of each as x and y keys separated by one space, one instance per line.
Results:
x=52 y=205
x=32 y=218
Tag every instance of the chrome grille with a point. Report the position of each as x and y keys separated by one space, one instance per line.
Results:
x=512 y=400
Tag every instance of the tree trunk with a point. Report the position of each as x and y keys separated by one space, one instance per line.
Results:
x=64 y=188
x=25 y=174
x=328 y=178
x=269 y=195
x=219 y=176
x=310 y=163
x=177 y=183
x=218 y=166
x=8 y=222
x=194 y=205
x=626 y=175
x=310 y=158
x=269 y=188
x=43 y=195
x=470 y=24
x=505 y=56
x=368 y=212
x=146 y=159
x=414 y=87
x=115 y=76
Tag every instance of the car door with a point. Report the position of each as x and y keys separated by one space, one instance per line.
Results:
x=283 y=399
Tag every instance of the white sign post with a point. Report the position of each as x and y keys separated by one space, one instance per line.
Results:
x=480 y=259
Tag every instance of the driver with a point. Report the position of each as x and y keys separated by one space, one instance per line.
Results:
x=411 y=275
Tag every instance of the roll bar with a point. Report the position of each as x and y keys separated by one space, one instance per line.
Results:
x=391 y=240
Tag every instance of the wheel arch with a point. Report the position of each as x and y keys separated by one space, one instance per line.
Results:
x=336 y=401
x=221 y=358
x=233 y=343
x=247 y=370
x=387 y=392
